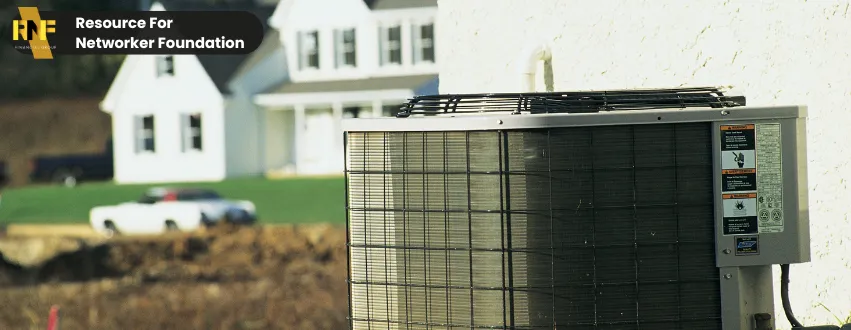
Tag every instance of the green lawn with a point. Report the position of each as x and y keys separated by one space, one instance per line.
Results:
x=295 y=200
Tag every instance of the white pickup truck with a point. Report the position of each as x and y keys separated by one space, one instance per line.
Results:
x=169 y=209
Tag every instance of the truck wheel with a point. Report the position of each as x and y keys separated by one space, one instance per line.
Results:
x=171 y=226
x=66 y=178
x=109 y=229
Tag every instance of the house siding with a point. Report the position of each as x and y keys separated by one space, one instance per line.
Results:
x=242 y=137
x=250 y=151
x=189 y=90
x=790 y=52
x=310 y=15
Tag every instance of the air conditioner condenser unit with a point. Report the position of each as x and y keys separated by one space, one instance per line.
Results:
x=631 y=209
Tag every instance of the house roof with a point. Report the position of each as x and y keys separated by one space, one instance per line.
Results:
x=399 y=4
x=271 y=42
x=221 y=68
x=378 y=83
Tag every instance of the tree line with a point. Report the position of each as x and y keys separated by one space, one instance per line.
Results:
x=23 y=77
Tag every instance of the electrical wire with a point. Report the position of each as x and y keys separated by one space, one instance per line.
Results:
x=784 y=296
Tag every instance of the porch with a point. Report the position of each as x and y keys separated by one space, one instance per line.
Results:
x=302 y=121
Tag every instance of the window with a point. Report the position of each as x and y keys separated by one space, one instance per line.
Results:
x=149 y=199
x=308 y=43
x=391 y=110
x=192 y=138
x=423 y=37
x=145 y=134
x=391 y=45
x=358 y=112
x=197 y=195
x=344 y=41
x=351 y=112
x=165 y=66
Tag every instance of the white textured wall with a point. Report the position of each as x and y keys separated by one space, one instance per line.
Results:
x=776 y=52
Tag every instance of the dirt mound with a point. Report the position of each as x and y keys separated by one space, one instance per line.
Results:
x=227 y=278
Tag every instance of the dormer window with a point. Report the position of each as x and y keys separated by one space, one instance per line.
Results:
x=345 y=47
x=423 y=37
x=165 y=66
x=308 y=44
x=391 y=45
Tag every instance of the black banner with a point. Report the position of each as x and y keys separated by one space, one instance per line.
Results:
x=139 y=32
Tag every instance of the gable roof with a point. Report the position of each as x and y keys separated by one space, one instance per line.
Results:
x=221 y=68
x=399 y=4
x=271 y=42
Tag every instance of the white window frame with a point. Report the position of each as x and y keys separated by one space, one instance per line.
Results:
x=386 y=46
x=165 y=66
x=419 y=43
x=341 y=48
x=307 y=49
x=189 y=133
x=142 y=134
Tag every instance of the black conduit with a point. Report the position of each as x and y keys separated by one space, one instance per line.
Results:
x=784 y=296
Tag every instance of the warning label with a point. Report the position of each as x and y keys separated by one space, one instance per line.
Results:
x=769 y=178
x=738 y=137
x=740 y=214
x=738 y=147
x=751 y=179
x=739 y=180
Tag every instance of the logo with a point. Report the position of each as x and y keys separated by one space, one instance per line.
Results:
x=740 y=205
x=745 y=244
x=35 y=30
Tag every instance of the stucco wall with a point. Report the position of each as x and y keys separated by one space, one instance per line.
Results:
x=776 y=52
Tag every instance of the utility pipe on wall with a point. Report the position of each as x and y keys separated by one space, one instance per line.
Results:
x=527 y=66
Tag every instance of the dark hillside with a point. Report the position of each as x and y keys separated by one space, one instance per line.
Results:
x=49 y=126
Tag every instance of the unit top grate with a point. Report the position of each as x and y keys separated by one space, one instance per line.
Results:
x=572 y=101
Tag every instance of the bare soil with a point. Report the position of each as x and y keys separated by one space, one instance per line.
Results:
x=287 y=277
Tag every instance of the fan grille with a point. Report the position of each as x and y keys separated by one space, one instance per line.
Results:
x=582 y=228
x=572 y=102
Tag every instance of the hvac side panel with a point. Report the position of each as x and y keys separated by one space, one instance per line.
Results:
x=760 y=196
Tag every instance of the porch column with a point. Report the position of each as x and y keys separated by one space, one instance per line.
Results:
x=298 y=135
x=337 y=112
x=377 y=110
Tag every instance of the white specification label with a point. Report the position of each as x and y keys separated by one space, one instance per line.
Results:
x=769 y=178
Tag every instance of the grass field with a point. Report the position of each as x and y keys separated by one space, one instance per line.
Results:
x=294 y=200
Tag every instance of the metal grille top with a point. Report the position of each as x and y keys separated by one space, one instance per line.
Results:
x=572 y=101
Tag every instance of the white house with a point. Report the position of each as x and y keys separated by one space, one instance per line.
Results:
x=172 y=119
x=205 y=118
x=791 y=53
x=359 y=59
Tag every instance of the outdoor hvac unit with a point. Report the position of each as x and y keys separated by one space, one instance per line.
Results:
x=642 y=209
